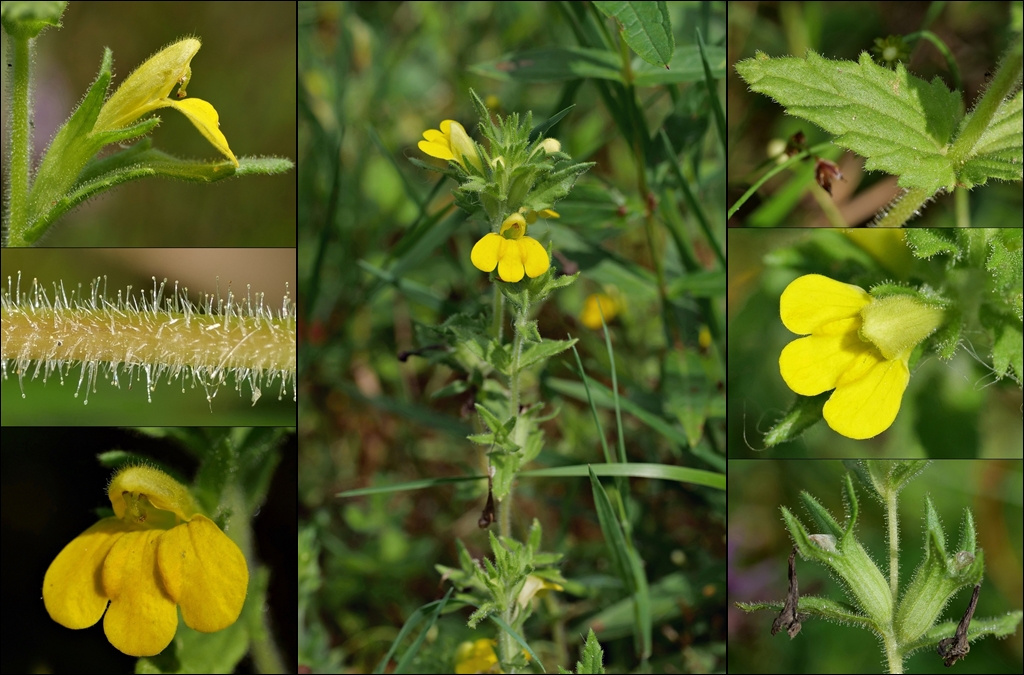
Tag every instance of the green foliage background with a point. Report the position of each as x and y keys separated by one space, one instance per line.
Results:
x=381 y=252
x=759 y=546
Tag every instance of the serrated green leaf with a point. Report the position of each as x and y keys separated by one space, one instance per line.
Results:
x=646 y=28
x=999 y=152
x=1008 y=350
x=545 y=349
x=899 y=122
x=593 y=656
x=928 y=242
x=1005 y=260
x=571 y=63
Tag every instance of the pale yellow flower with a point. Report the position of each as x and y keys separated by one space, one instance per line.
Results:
x=148 y=88
x=452 y=143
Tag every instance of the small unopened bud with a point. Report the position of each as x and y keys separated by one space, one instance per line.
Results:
x=824 y=541
x=964 y=559
x=551 y=145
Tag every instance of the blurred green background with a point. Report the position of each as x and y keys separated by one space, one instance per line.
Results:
x=202 y=271
x=950 y=409
x=245 y=69
x=373 y=77
x=976 y=33
x=759 y=546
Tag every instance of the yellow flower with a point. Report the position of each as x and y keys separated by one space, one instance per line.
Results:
x=155 y=553
x=511 y=251
x=858 y=345
x=535 y=586
x=591 y=314
x=476 y=657
x=452 y=143
x=148 y=88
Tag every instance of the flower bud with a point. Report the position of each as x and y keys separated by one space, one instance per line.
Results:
x=551 y=145
x=897 y=323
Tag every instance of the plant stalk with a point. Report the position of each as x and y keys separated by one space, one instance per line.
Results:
x=21 y=139
x=892 y=653
x=892 y=517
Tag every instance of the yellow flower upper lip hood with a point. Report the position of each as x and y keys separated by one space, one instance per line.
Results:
x=154 y=556
x=148 y=88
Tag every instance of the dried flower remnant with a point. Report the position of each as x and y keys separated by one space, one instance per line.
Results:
x=954 y=648
x=825 y=172
x=789 y=618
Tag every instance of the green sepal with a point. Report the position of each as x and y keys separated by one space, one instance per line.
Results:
x=150 y=163
x=816 y=606
x=938 y=577
x=997 y=626
x=805 y=412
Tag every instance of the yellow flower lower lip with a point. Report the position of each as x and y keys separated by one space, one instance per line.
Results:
x=868 y=386
x=514 y=258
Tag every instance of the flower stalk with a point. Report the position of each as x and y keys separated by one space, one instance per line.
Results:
x=21 y=134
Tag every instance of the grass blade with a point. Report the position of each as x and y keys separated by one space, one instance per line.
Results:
x=411 y=623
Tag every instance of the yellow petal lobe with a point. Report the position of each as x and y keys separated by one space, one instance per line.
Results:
x=814 y=364
x=141 y=619
x=435 y=149
x=484 y=255
x=535 y=257
x=813 y=300
x=205 y=572
x=204 y=117
x=510 y=261
x=868 y=406
x=73 y=587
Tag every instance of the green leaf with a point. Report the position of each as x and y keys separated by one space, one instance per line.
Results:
x=646 y=27
x=411 y=623
x=545 y=349
x=626 y=562
x=542 y=128
x=572 y=63
x=515 y=636
x=928 y=242
x=687 y=392
x=592 y=658
x=686 y=66
x=703 y=284
x=414 y=648
x=900 y=123
x=805 y=412
x=1008 y=349
x=712 y=88
x=681 y=474
x=1006 y=262
x=999 y=153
